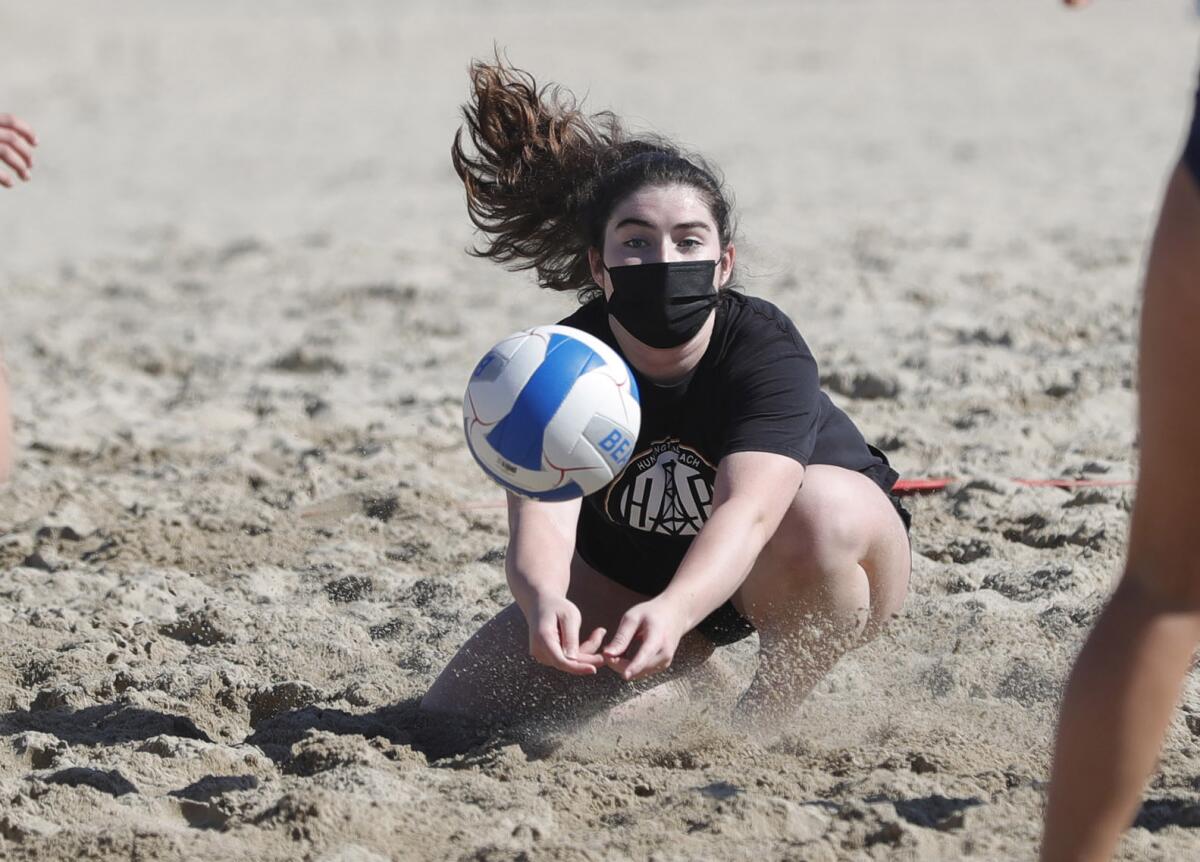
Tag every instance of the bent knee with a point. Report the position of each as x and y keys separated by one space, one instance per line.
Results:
x=440 y=699
x=826 y=513
x=836 y=518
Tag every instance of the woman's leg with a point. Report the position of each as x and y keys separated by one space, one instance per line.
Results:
x=835 y=571
x=1123 y=689
x=493 y=678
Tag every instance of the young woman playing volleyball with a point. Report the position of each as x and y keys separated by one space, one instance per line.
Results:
x=751 y=502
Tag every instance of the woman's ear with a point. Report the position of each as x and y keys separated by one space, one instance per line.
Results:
x=596 y=262
x=725 y=266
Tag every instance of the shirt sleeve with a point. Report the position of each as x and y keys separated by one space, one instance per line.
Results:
x=774 y=394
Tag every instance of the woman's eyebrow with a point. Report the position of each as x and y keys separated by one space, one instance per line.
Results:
x=686 y=225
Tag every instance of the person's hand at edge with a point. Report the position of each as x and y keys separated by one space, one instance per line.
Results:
x=17 y=141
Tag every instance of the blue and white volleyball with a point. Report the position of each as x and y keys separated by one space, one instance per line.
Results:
x=551 y=413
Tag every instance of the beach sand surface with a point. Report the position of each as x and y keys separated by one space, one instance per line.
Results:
x=244 y=532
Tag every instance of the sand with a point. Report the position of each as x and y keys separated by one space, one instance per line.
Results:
x=244 y=533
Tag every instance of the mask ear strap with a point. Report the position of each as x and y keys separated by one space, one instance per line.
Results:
x=608 y=272
x=604 y=268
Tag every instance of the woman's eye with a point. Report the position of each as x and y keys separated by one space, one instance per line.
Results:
x=634 y=242
x=689 y=243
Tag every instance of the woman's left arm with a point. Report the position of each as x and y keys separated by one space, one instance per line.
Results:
x=752 y=492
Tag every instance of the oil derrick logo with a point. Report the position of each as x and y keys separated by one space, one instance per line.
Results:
x=666 y=489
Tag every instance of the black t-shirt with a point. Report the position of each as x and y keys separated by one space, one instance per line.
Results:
x=755 y=389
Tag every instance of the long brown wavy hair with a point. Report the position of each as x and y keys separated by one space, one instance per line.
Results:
x=545 y=176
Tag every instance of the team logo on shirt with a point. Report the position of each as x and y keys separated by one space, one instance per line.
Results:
x=667 y=489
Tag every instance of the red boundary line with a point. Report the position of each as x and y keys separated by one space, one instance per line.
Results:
x=923 y=486
x=908 y=487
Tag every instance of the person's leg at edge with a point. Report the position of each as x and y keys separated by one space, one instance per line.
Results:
x=1122 y=692
x=833 y=574
x=493 y=679
x=5 y=425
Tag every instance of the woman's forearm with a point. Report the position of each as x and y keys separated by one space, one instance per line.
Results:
x=529 y=580
x=541 y=544
x=719 y=559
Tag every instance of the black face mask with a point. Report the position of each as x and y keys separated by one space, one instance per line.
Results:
x=663 y=304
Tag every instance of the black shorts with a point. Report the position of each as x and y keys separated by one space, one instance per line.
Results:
x=726 y=625
x=1191 y=150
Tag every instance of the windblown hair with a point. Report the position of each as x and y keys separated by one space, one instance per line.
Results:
x=545 y=176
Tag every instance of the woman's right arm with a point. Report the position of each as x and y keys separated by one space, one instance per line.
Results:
x=541 y=545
